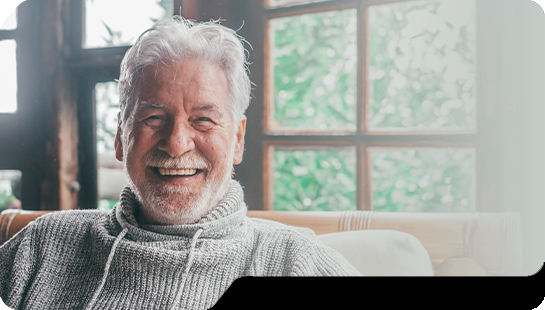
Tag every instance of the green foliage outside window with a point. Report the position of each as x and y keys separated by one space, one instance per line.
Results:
x=10 y=189
x=105 y=204
x=315 y=62
x=314 y=180
x=421 y=79
x=6 y=199
x=422 y=65
x=437 y=180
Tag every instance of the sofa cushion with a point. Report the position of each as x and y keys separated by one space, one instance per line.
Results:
x=381 y=252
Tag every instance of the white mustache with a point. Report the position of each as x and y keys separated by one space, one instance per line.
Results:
x=163 y=160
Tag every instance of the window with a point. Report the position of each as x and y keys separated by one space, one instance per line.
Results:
x=8 y=22
x=369 y=106
x=111 y=178
x=8 y=64
x=13 y=112
x=104 y=27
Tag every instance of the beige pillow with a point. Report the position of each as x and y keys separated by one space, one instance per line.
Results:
x=381 y=252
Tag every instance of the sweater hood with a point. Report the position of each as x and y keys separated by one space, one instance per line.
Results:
x=226 y=217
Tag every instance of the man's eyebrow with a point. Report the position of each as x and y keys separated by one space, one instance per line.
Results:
x=150 y=105
x=208 y=107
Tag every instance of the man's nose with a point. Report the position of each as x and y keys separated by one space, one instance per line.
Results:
x=178 y=139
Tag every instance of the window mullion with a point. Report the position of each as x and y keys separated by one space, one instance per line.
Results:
x=363 y=64
x=363 y=180
x=364 y=176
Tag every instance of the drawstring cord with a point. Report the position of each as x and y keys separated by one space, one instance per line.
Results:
x=107 y=268
x=187 y=266
x=111 y=256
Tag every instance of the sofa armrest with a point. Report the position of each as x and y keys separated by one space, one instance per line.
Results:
x=381 y=252
x=13 y=220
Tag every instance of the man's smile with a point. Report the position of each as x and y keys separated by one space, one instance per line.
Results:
x=176 y=172
x=177 y=175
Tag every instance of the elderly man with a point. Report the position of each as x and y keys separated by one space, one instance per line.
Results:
x=179 y=235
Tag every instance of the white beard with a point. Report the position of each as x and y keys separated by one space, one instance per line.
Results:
x=171 y=204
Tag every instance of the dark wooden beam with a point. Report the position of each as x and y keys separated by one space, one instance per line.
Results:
x=250 y=172
x=60 y=114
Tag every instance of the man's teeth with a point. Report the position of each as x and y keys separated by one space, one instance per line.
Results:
x=164 y=171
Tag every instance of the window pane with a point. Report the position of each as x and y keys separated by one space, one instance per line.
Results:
x=314 y=180
x=120 y=22
x=8 y=76
x=436 y=180
x=10 y=22
x=314 y=59
x=106 y=107
x=111 y=178
x=10 y=189
x=422 y=70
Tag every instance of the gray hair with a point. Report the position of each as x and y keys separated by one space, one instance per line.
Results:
x=174 y=39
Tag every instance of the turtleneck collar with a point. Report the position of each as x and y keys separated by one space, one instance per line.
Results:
x=226 y=216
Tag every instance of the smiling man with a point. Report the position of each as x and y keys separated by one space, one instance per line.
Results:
x=179 y=235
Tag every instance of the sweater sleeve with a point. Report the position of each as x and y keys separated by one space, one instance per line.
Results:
x=17 y=265
x=317 y=259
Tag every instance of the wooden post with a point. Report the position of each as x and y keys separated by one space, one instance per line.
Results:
x=60 y=160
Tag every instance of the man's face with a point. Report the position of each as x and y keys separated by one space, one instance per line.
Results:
x=180 y=144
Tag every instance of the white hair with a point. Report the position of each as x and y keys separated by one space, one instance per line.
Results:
x=174 y=39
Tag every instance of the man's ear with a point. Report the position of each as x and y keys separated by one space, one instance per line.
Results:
x=239 y=144
x=118 y=144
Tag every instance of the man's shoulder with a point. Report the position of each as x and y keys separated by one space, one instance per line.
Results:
x=57 y=227
x=79 y=215
x=299 y=250
x=70 y=219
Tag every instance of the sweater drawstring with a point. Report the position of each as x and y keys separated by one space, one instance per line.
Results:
x=187 y=267
x=107 y=268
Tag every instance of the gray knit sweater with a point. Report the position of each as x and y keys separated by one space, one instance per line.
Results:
x=106 y=260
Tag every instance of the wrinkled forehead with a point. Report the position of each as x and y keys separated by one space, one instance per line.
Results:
x=194 y=82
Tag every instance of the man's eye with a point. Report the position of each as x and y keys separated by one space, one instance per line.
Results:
x=153 y=121
x=203 y=123
x=153 y=118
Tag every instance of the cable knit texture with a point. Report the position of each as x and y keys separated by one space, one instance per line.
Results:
x=58 y=261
